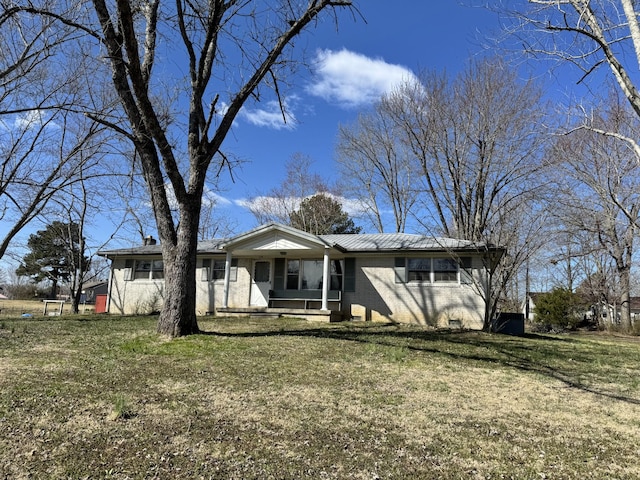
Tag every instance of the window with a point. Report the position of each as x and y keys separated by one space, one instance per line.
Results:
x=149 y=269
x=143 y=269
x=157 y=269
x=218 y=270
x=336 y=275
x=262 y=272
x=293 y=274
x=308 y=274
x=419 y=270
x=445 y=270
x=219 y=267
x=312 y=275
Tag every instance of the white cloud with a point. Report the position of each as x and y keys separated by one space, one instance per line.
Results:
x=279 y=206
x=353 y=79
x=270 y=116
x=30 y=119
x=265 y=205
x=211 y=198
x=353 y=207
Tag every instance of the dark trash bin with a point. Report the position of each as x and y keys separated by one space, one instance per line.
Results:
x=509 y=324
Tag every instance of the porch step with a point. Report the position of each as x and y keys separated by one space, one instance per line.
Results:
x=265 y=312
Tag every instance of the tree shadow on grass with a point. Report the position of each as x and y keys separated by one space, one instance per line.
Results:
x=564 y=359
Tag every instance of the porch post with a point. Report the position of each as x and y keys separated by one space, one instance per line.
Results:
x=227 y=276
x=325 y=280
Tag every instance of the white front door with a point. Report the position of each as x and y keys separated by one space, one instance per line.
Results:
x=260 y=283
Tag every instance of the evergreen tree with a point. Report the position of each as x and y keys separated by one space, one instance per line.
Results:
x=321 y=214
x=560 y=308
x=55 y=255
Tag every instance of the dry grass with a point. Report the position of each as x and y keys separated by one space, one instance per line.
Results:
x=35 y=308
x=106 y=398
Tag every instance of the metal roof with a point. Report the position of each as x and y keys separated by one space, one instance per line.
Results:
x=381 y=242
x=140 y=250
x=347 y=243
x=207 y=246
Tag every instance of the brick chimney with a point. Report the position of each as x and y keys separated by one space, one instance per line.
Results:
x=149 y=240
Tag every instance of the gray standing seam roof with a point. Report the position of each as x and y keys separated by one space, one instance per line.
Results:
x=376 y=242
x=364 y=242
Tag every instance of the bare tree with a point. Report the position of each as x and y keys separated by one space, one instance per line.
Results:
x=477 y=145
x=42 y=138
x=376 y=167
x=132 y=214
x=39 y=160
x=587 y=34
x=599 y=187
x=77 y=207
x=281 y=202
x=601 y=39
x=231 y=52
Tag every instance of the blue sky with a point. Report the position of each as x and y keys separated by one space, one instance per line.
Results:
x=352 y=68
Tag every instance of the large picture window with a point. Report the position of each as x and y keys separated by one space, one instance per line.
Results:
x=307 y=274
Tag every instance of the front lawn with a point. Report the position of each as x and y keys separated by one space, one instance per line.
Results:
x=104 y=397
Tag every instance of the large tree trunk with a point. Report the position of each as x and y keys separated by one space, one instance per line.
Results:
x=625 y=298
x=77 y=293
x=53 y=293
x=178 y=314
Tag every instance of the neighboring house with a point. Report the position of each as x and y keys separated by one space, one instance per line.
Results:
x=610 y=313
x=92 y=289
x=281 y=271
x=601 y=313
x=529 y=305
x=635 y=309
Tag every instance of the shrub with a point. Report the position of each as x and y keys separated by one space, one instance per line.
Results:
x=560 y=309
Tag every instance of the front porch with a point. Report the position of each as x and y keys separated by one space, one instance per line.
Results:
x=291 y=273
x=316 y=315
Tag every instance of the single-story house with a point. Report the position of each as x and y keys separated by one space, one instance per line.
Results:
x=281 y=271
